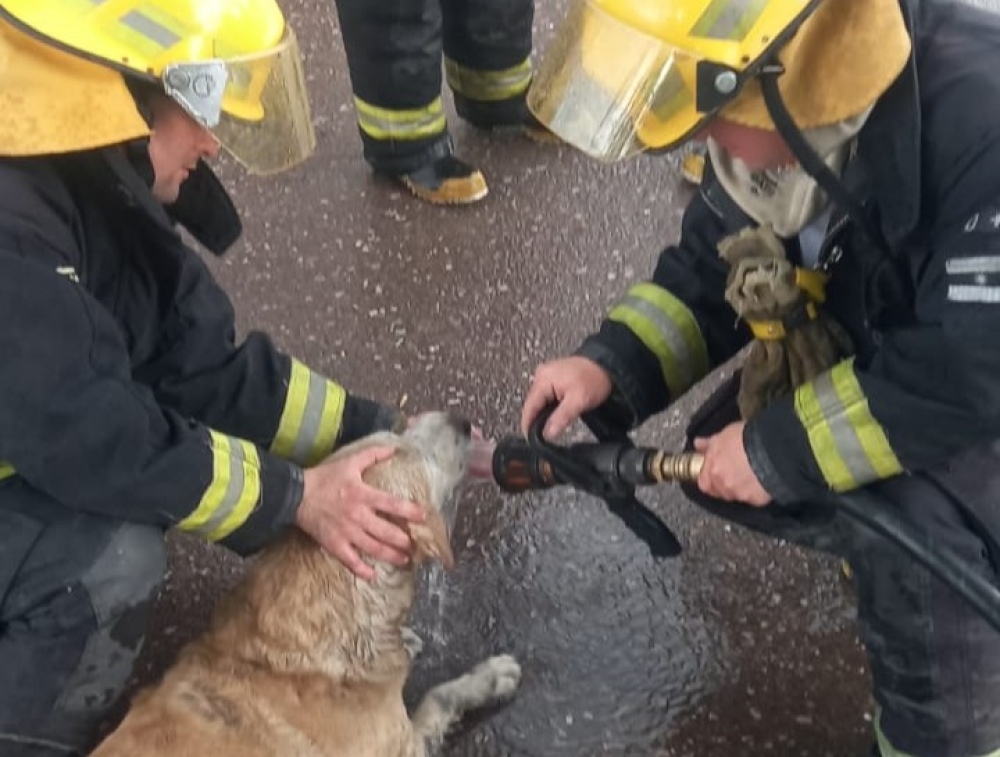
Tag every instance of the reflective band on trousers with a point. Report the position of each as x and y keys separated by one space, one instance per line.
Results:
x=311 y=419
x=669 y=330
x=728 y=19
x=488 y=86
x=849 y=445
x=6 y=470
x=387 y=123
x=233 y=492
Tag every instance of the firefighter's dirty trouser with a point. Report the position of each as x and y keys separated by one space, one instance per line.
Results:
x=394 y=54
x=75 y=593
x=935 y=662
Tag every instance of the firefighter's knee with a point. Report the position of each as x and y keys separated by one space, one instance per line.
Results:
x=125 y=576
x=75 y=627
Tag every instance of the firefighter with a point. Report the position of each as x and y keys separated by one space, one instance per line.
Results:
x=394 y=54
x=865 y=134
x=126 y=406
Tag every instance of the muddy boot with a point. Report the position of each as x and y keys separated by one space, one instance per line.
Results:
x=446 y=181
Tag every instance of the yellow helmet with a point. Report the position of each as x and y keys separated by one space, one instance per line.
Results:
x=623 y=76
x=233 y=65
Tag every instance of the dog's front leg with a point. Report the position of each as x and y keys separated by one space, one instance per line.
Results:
x=491 y=681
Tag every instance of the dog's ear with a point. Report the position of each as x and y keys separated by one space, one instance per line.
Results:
x=430 y=540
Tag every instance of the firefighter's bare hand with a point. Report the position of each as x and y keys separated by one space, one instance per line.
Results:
x=726 y=473
x=351 y=519
x=576 y=383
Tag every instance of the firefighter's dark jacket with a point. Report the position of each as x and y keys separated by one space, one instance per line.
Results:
x=123 y=391
x=922 y=304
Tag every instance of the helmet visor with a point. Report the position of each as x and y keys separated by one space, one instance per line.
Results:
x=611 y=90
x=256 y=105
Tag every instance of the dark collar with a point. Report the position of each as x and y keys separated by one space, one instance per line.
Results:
x=889 y=148
x=134 y=186
x=204 y=207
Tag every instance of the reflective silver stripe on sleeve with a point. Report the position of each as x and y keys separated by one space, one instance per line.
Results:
x=234 y=491
x=312 y=418
x=964 y=266
x=840 y=428
x=989 y=295
x=671 y=333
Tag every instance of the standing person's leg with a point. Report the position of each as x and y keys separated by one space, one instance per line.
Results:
x=394 y=58
x=487 y=46
x=75 y=595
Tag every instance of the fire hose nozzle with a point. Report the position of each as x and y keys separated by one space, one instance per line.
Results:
x=518 y=467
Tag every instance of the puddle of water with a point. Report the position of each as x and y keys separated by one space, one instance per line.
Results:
x=610 y=651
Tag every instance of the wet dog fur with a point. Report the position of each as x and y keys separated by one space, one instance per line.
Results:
x=305 y=660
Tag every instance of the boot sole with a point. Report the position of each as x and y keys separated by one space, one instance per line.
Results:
x=452 y=192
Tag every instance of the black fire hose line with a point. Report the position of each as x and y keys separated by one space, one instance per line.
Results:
x=612 y=470
x=880 y=515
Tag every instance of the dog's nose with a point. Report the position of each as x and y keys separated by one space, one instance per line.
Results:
x=460 y=423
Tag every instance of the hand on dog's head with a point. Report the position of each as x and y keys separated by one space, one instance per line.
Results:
x=431 y=459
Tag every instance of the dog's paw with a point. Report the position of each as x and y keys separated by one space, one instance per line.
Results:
x=412 y=643
x=502 y=675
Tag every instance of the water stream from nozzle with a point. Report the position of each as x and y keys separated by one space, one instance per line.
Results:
x=479 y=472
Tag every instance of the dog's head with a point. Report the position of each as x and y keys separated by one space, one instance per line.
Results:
x=432 y=457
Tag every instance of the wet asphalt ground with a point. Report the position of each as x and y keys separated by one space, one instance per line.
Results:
x=740 y=646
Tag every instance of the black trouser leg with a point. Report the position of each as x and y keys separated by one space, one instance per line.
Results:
x=935 y=663
x=394 y=55
x=72 y=622
x=487 y=44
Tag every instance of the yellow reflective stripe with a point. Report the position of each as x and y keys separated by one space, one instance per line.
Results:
x=386 y=123
x=669 y=330
x=6 y=470
x=311 y=419
x=329 y=430
x=728 y=19
x=233 y=491
x=488 y=86
x=291 y=415
x=850 y=446
x=249 y=463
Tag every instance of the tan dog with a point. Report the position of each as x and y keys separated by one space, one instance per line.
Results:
x=305 y=660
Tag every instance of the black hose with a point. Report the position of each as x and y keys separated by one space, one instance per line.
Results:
x=611 y=470
x=882 y=517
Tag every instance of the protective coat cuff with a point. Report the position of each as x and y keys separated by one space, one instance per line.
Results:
x=622 y=408
x=363 y=417
x=780 y=455
x=763 y=467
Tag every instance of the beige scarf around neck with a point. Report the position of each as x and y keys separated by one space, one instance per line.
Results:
x=787 y=198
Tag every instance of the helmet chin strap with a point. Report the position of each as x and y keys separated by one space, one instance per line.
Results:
x=828 y=181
